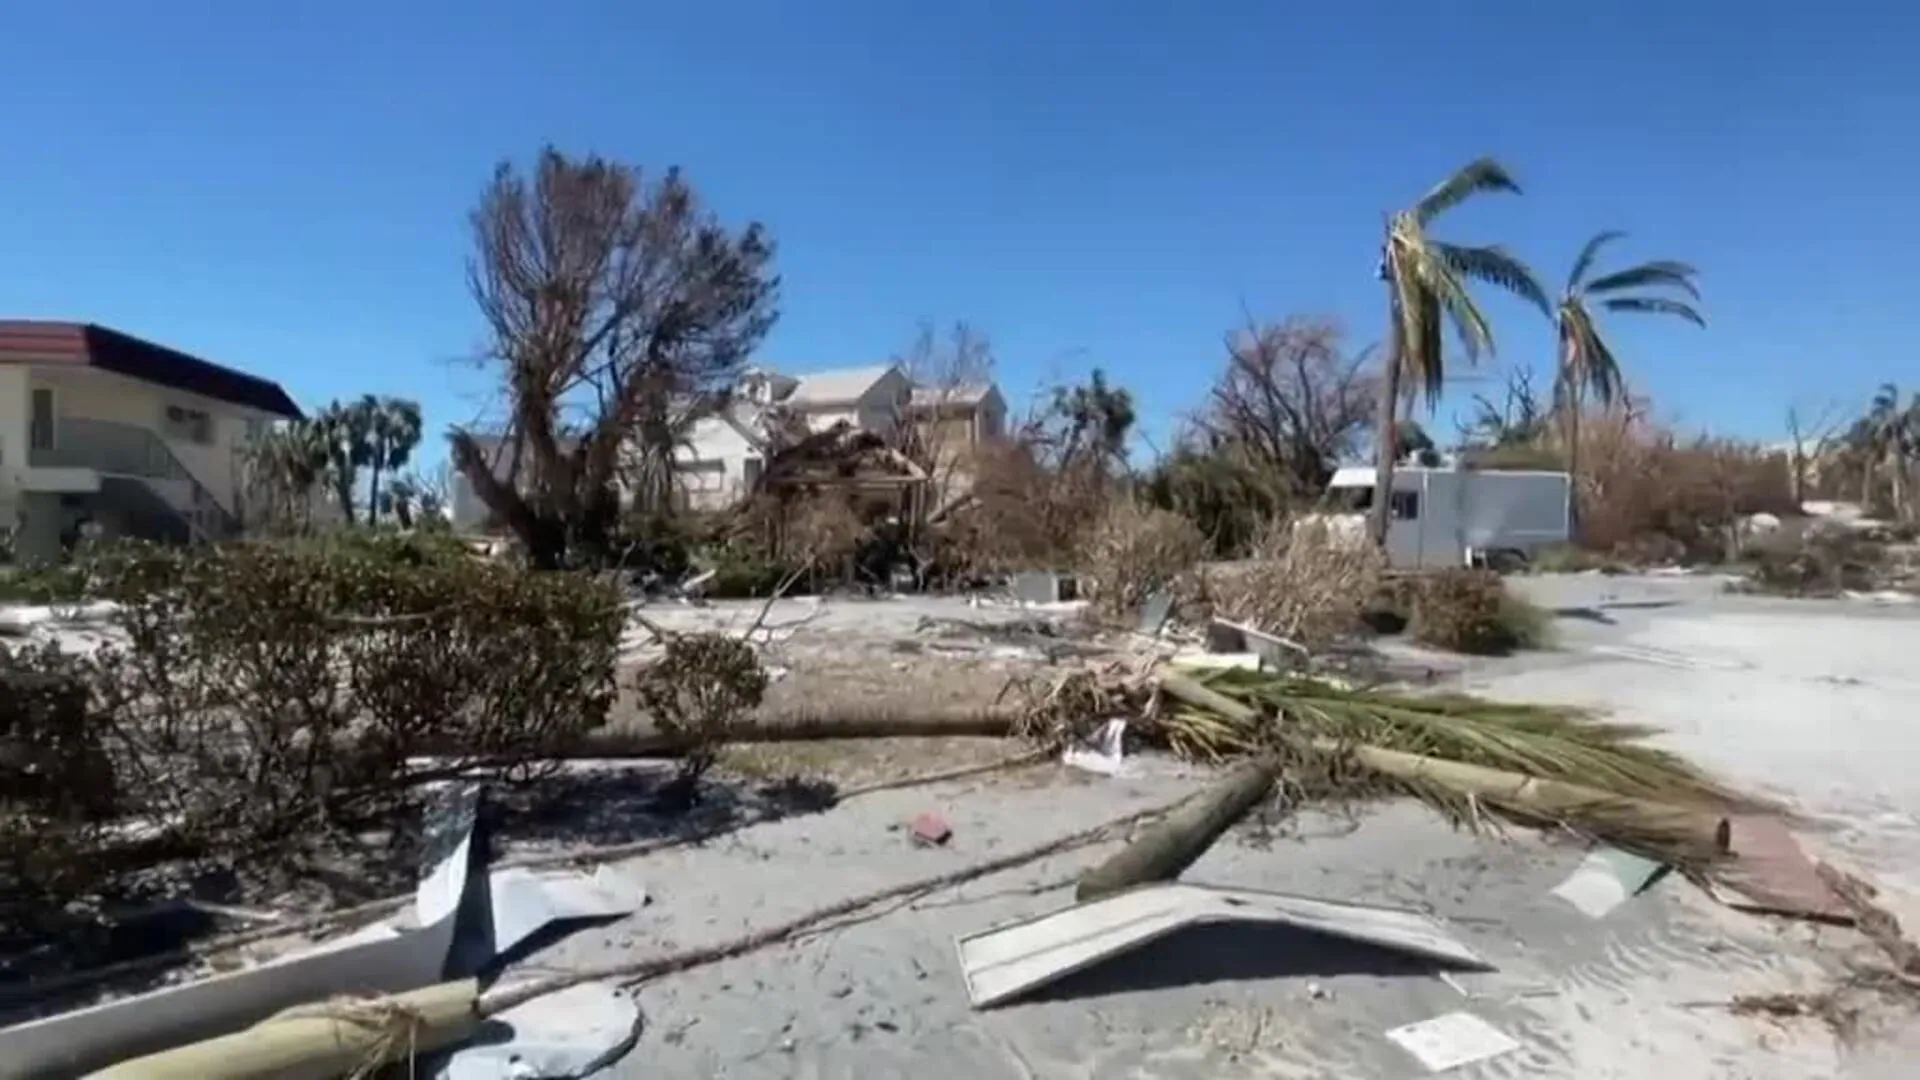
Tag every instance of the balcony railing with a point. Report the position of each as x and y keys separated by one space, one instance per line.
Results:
x=115 y=449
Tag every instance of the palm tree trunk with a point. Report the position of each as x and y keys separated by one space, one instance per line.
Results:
x=1384 y=435
x=1899 y=487
x=373 y=494
x=1573 y=462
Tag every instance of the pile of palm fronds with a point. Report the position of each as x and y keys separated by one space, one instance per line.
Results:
x=1541 y=764
x=1551 y=742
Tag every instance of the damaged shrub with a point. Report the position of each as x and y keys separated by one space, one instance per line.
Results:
x=1808 y=561
x=1135 y=550
x=699 y=690
x=56 y=787
x=1306 y=581
x=264 y=692
x=1471 y=611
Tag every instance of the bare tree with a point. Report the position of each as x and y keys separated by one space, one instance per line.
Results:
x=1292 y=398
x=617 y=310
x=947 y=371
x=1519 y=421
x=1809 y=439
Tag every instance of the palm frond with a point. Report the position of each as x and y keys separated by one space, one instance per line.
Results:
x=1550 y=742
x=1422 y=366
x=1587 y=363
x=1496 y=266
x=1655 y=305
x=1661 y=272
x=1470 y=325
x=1481 y=175
x=1585 y=262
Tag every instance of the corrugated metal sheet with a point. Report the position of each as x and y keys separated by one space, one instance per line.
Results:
x=1007 y=961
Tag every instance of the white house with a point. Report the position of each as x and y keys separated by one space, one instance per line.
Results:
x=101 y=427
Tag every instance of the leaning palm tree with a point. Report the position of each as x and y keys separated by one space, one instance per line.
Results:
x=1426 y=286
x=1586 y=365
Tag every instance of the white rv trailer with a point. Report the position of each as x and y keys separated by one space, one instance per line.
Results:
x=1450 y=516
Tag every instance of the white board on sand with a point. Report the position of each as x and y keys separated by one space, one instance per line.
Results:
x=1010 y=960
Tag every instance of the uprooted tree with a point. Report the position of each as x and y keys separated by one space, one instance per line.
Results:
x=619 y=311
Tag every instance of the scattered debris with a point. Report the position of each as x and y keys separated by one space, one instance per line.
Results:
x=1770 y=874
x=376 y=959
x=1241 y=661
x=1039 y=587
x=1155 y=612
x=930 y=830
x=1008 y=961
x=1278 y=652
x=254 y=1017
x=1105 y=753
x=571 y=1033
x=1607 y=878
x=1879 y=924
x=1450 y=1041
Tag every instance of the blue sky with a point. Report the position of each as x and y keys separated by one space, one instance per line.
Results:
x=283 y=187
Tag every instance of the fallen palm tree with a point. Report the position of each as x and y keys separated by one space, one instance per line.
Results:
x=1470 y=757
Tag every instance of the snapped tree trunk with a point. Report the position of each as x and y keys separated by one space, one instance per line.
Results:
x=1163 y=851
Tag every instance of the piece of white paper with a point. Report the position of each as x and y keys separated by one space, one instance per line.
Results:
x=1450 y=1041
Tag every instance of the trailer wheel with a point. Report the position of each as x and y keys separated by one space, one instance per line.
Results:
x=1506 y=561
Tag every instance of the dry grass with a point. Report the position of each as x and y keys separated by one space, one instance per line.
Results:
x=1134 y=551
x=1305 y=582
x=1646 y=494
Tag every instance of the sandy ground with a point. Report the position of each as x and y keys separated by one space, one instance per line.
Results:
x=1801 y=699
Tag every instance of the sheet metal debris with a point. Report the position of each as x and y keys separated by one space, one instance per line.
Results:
x=1281 y=654
x=1008 y=961
x=1607 y=878
x=376 y=959
x=573 y=1033
x=455 y=927
x=523 y=902
x=1450 y=1041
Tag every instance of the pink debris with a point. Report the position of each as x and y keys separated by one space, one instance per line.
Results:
x=931 y=830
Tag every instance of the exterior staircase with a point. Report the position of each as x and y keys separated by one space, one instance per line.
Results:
x=142 y=475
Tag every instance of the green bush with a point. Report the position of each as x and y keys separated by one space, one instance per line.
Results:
x=263 y=689
x=697 y=692
x=741 y=572
x=56 y=583
x=1471 y=611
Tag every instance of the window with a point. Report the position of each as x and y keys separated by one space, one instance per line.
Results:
x=1405 y=506
x=40 y=429
x=188 y=425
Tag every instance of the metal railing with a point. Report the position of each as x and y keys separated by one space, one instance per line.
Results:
x=115 y=449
